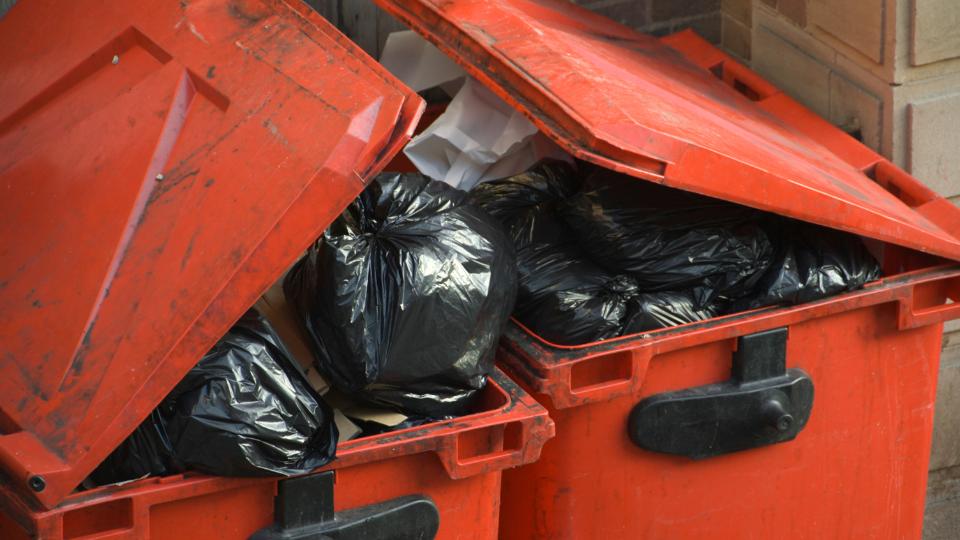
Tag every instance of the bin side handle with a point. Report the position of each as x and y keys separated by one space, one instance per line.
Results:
x=492 y=448
x=932 y=302
x=303 y=509
x=623 y=373
x=597 y=378
x=763 y=403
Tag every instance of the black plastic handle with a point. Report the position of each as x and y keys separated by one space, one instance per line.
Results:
x=304 y=511
x=763 y=403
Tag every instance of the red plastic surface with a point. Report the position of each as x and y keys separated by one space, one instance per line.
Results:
x=456 y=463
x=629 y=102
x=161 y=164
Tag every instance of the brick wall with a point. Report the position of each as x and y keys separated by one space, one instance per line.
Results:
x=736 y=24
x=5 y=6
x=889 y=69
x=661 y=17
x=368 y=25
x=361 y=20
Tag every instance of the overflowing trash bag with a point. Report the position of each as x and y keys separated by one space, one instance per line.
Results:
x=667 y=239
x=405 y=296
x=244 y=410
x=566 y=299
x=812 y=263
x=527 y=203
x=614 y=255
x=563 y=296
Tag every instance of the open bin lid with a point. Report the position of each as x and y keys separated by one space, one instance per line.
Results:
x=161 y=163
x=626 y=101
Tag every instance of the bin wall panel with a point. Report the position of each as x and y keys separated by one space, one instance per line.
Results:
x=858 y=469
x=232 y=513
x=469 y=508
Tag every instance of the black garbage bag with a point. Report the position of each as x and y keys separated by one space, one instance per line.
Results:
x=668 y=308
x=568 y=300
x=564 y=297
x=406 y=295
x=244 y=410
x=146 y=452
x=668 y=239
x=526 y=204
x=812 y=263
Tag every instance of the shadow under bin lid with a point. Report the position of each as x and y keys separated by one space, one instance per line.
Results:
x=161 y=164
x=627 y=101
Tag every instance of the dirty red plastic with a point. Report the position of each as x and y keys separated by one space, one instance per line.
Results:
x=456 y=463
x=162 y=163
x=631 y=103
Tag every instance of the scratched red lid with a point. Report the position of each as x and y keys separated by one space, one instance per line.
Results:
x=679 y=112
x=161 y=164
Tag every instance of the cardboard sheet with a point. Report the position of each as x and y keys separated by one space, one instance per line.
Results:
x=273 y=305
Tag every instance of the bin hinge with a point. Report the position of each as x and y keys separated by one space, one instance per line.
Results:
x=303 y=510
x=763 y=403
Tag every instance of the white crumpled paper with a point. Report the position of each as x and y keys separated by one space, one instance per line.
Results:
x=479 y=137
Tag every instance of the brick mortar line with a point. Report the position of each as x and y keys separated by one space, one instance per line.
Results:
x=600 y=4
x=680 y=21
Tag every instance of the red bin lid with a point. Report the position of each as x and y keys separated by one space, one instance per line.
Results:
x=629 y=102
x=161 y=164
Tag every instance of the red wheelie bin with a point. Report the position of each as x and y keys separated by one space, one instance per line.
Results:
x=162 y=163
x=810 y=421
